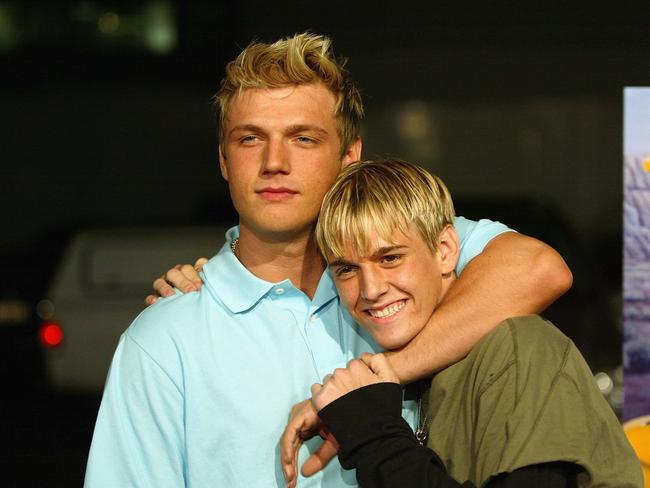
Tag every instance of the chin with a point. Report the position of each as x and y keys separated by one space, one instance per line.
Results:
x=391 y=343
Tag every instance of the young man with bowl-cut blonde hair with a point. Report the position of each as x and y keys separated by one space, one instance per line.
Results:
x=522 y=409
x=200 y=384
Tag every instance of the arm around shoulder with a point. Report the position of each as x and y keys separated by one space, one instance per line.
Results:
x=514 y=275
x=531 y=270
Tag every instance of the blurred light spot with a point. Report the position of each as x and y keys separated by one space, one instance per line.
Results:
x=45 y=309
x=616 y=398
x=108 y=22
x=604 y=382
x=14 y=311
x=8 y=35
x=51 y=334
x=646 y=165
x=414 y=120
x=160 y=29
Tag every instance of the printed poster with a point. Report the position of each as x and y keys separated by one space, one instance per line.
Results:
x=636 y=252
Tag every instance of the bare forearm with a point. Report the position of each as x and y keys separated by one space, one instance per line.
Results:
x=515 y=275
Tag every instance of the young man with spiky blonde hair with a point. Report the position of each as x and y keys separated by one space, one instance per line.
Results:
x=201 y=384
x=522 y=409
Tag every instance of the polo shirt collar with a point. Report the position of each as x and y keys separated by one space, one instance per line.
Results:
x=241 y=290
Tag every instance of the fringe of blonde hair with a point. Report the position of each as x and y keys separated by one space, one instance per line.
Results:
x=381 y=196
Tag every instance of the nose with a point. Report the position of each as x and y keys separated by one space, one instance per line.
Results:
x=276 y=158
x=373 y=284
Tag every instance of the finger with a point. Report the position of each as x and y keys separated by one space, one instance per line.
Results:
x=303 y=424
x=150 y=300
x=319 y=459
x=198 y=265
x=378 y=364
x=357 y=365
x=315 y=388
x=176 y=278
x=316 y=393
x=162 y=288
x=289 y=445
x=365 y=357
x=191 y=275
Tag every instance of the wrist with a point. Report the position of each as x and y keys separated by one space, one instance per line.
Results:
x=398 y=361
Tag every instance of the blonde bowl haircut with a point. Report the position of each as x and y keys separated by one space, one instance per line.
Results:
x=381 y=196
x=298 y=60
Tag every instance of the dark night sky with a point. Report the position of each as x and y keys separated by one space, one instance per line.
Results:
x=98 y=131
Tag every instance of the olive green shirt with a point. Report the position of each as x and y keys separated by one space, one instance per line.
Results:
x=525 y=395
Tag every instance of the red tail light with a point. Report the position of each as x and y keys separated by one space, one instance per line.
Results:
x=51 y=334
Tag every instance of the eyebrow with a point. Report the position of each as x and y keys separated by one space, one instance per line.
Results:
x=292 y=129
x=246 y=127
x=387 y=250
x=382 y=251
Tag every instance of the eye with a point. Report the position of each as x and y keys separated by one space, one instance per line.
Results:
x=248 y=139
x=391 y=258
x=344 y=271
x=305 y=140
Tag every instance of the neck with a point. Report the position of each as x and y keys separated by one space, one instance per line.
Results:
x=447 y=281
x=277 y=258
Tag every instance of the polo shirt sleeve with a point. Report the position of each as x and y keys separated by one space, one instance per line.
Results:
x=474 y=236
x=139 y=433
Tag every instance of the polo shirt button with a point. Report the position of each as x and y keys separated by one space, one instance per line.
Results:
x=312 y=317
x=279 y=291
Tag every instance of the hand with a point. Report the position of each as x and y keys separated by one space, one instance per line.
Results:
x=368 y=370
x=303 y=424
x=185 y=277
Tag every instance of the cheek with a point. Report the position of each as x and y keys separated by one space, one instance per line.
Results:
x=348 y=293
x=238 y=177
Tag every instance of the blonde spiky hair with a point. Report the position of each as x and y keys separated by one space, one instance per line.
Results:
x=297 y=60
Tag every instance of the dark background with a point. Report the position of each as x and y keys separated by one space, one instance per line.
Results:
x=106 y=120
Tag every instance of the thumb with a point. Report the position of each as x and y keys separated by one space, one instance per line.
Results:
x=321 y=456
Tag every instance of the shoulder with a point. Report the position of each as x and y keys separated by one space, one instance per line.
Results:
x=526 y=333
x=171 y=321
x=534 y=335
x=524 y=344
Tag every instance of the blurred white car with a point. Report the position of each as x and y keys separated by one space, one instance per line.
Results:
x=99 y=288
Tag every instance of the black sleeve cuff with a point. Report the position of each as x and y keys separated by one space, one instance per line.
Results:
x=375 y=439
x=366 y=414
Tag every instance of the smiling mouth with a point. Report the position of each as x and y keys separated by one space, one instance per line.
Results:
x=392 y=309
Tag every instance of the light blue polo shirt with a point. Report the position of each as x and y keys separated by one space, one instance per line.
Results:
x=201 y=384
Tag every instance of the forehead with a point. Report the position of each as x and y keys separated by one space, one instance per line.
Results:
x=310 y=101
x=378 y=245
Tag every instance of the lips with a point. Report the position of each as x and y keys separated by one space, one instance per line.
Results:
x=275 y=194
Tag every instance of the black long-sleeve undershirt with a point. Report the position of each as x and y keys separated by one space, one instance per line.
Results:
x=378 y=442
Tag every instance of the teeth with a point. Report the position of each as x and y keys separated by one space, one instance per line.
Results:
x=388 y=311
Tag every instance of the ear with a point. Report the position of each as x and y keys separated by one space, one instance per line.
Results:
x=353 y=152
x=222 y=164
x=448 y=249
